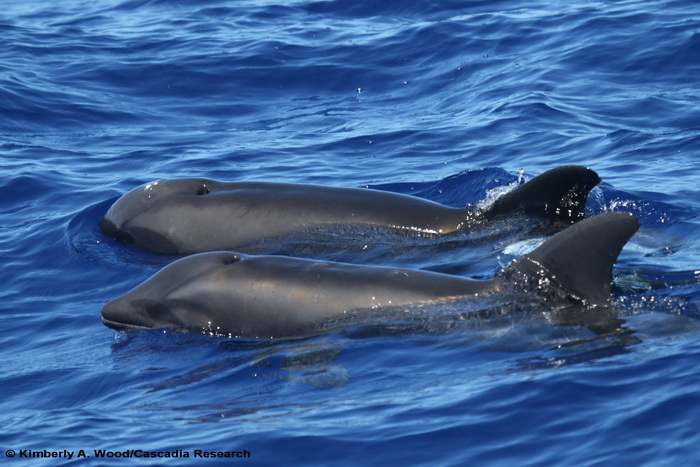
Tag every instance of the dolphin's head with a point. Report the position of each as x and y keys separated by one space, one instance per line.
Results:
x=185 y=295
x=131 y=218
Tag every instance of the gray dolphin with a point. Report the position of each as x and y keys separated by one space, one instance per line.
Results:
x=186 y=216
x=233 y=294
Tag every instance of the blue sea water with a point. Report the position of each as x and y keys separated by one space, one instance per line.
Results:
x=448 y=100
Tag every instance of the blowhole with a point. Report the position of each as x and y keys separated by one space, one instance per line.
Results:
x=203 y=190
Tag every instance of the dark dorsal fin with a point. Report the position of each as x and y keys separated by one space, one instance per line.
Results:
x=579 y=260
x=559 y=194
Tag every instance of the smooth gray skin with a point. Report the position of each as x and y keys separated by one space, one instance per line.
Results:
x=233 y=294
x=186 y=216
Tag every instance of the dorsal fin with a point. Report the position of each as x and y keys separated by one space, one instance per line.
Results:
x=579 y=260
x=559 y=194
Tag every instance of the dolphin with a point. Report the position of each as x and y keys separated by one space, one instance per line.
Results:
x=194 y=215
x=233 y=294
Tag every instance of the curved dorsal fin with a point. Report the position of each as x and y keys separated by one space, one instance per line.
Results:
x=580 y=259
x=559 y=194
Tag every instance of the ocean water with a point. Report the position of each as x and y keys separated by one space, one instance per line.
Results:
x=448 y=100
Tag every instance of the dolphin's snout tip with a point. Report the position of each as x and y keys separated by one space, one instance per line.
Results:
x=117 y=315
x=110 y=315
x=111 y=230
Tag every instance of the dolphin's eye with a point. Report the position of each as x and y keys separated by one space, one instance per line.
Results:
x=203 y=190
x=232 y=258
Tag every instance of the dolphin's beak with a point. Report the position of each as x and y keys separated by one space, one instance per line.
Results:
x=111 y=230
x=115 y=316
x=125 y=314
